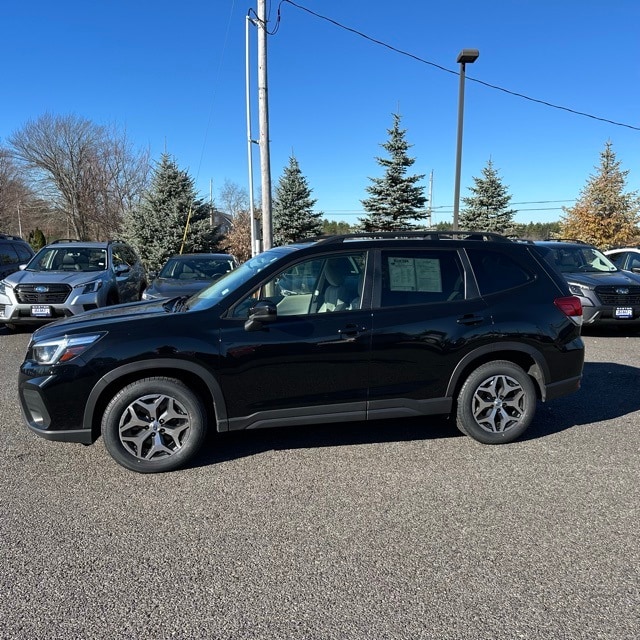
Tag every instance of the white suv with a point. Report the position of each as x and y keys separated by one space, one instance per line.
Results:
x=68 y=277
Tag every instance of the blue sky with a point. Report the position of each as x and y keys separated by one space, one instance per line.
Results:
x=173 y=75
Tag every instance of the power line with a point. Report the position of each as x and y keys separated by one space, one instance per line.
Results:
x=441 y=68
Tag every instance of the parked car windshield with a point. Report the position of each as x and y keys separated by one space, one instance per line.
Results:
x=236 y=278
x=69 y=259
x=195 y=268
x=584 y=259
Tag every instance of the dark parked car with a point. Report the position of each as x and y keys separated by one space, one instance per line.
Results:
x=14 y=254
x=609 y=296
x=68 y=277
x=186 y=274
x=417 y=324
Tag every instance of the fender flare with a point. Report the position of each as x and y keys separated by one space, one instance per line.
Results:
x=540 y=372
x=142 y=366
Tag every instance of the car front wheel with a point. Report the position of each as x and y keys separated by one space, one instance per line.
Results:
x=496 y=403
x=154 y=425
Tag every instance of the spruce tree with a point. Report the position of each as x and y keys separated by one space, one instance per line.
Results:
x=397 y=200
x=604 y=214
x=293 y=216
x=156 y=227
x=487 y=209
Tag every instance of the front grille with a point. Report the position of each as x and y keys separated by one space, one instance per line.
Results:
x=55 y=294
x=610 y=295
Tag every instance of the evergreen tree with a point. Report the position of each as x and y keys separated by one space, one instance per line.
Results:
x=36 y=239
x=156 y=226
x=293 y=216
x=604 y=214
x=487 y=208
x=397 y=200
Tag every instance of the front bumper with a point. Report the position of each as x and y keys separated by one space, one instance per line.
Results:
x=13 y=312
x=609 y=315
x=46 y=410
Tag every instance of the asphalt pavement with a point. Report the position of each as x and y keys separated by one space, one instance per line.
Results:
x=392 y=530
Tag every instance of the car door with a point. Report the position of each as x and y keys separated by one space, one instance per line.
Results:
x=306 y=365
x=426 y=311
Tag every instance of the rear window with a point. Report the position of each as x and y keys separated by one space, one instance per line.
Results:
x=496 y=271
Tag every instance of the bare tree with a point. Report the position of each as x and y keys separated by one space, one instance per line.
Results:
x=89 y=173
x=19 y=208
x=234 y=201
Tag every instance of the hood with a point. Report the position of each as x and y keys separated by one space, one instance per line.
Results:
x=600 y=278
x=101 y=318
x=170 y=287
x=53 y=277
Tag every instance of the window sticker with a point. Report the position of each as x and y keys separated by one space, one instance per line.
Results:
x=415 y=274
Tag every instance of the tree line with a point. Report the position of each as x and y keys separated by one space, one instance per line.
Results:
x=65 y=176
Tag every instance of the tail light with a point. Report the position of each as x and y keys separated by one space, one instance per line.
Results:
x=570 y=306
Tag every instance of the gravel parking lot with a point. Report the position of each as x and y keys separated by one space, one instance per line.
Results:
x=391 y=530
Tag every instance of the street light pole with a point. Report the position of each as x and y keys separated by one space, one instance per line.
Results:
x=464 y=57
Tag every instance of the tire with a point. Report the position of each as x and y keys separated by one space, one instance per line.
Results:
x=496 y=403
x=154 y=425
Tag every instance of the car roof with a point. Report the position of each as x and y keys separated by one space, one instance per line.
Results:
x=578 y=244
x=190 y=256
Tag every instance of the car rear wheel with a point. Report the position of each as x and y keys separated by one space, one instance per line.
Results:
x=154 y=425
x=496 y=403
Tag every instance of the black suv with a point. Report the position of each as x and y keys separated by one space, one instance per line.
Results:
x=337 y=329
x=14 y=254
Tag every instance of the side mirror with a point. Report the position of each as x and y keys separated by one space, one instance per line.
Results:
x=261 y=312
x=121 y=269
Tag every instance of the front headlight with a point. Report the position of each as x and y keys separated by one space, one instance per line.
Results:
x=62 y=349
x=89 y=287
x=3 y=287
x=578 y=289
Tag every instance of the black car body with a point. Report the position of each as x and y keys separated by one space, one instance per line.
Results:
x=15 y=253
x=420 y=324
x=609 y=295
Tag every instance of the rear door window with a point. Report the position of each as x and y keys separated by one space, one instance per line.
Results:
x=420 y=277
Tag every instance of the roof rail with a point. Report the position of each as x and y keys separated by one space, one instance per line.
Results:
x=61 y=240
x=485 y=236
x=8 y=236
x=574 y=240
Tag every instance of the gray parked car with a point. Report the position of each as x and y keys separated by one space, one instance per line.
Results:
x=68 y=277
x=609 y=295
x=188 y=273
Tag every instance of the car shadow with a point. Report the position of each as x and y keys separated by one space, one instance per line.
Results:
x=608 y=391
x=239 y=444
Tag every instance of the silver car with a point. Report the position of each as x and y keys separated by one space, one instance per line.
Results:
x=68 y=277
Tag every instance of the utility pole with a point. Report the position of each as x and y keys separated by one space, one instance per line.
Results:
x=263 y=107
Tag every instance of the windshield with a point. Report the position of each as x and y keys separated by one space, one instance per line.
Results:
x=236 y=278
x=579 y=259
x=69 y=259
x=195 y=268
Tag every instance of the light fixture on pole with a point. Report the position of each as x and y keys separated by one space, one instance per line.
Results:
x=464 y=57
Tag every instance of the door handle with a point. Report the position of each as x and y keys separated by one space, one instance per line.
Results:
x=351 y=330
x=470 y=319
